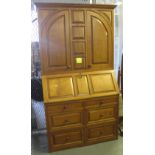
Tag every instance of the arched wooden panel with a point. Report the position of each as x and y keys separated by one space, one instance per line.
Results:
x=100 y=43
x=55 y=43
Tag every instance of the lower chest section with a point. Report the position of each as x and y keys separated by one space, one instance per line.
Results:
x=79 y=123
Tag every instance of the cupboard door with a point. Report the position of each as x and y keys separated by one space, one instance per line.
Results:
x=55 y=45
x=100 y=43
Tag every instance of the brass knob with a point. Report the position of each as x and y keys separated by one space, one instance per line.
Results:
x=89 y=66
x=68 y=67
x=101 y=115
x=66 y=121
x=67 y=138
x=64 y=107
x=101 y=103
x=101 y=132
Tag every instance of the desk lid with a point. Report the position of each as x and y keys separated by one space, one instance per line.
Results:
x=76 y=86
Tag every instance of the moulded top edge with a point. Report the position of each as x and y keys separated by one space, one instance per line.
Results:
x=107 y=6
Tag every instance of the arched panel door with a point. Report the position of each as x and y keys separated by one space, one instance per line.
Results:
x=55 y=43
x=100 y=43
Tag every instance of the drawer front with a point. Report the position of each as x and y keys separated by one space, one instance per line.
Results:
x=64 y=108
x=103 y=132
x=66 y=139
x=102 y=102
x=102 y=114
x=64 y=119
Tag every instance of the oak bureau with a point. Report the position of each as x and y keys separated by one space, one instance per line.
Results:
x=79 y=84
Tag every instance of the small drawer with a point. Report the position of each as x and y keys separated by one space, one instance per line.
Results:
x=102 y=114
x=101 y=102
x=63 y=107
x=102 y=132
x=64 y=119
x=78 y=16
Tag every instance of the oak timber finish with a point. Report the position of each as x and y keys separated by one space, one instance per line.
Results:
x=97 y=122
x=67 y=119
x=100 y=43
x=102 y=132
x=102 y=83
x=69 y=5
x=65 y=139
x=99 y=115
x=78 y=47
x=94 y=104
x=78 y=16
x=65 y=107
x=82 y=85
x=75 y=86
x=60 y=87
x=68 y=30
x=79 y=84
x=54 y=43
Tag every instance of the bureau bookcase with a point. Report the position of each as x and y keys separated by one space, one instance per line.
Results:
x=79 y=84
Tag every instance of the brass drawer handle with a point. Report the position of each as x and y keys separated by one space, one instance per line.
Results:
x=67 y=139
x=68 y=67
x=64 y=107
x=89 y=66
x=100 y=133
x=66 y=121
x=101 y=103
x=101 y=115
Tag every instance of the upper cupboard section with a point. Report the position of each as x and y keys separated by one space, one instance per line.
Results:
x=73 y=39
